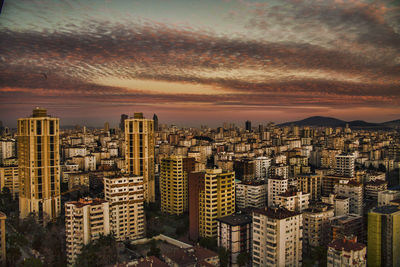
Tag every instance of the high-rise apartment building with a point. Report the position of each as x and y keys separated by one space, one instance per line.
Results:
x=234 y=234
x=7 y=149
x=293 y=200
x=251 y=194
x=174 y=183
x=126 y=200
x=155 y=119
x=85 y=220
x=262 y=165
x=211 y=196
x=139 y=152
x=9 y=179
x=3 y=257
x=122 y=122
x=276 y=186
x=346 y=225
x=39 y=166
x=346 y=252
x=386 y=196
x=311 y=184
x=354 y=191
x=277 y=234
x=345 y=165
x=316 y=227
x=248 y=126
x=384 y=236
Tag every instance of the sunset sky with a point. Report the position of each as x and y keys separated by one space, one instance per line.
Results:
x=200 y=61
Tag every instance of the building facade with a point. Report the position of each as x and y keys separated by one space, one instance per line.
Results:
x=346 y=252
x=211 y=196
x=85 y=220
x=139 y=152
x=277 y=234
x=234 y=234
x=251 y=194
x=384 y=236
x=39 y=166
x=125 y=195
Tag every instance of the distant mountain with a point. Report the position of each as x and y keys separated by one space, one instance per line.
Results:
x=393 y=124
x=318 y=121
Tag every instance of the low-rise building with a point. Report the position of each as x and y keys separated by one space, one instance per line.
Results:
x=191 y=257
x=346 y=252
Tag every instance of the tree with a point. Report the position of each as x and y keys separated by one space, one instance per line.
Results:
x=100 y=252
x=210 y=243
x=32 y=262
x=154 y=250
x=223 y=255
x=243 y=258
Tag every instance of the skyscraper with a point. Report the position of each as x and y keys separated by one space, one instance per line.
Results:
x=384 y=236
x=39 y=166
x=122 y=121
x=174 y=183
x=139 y=152
x=211 y=196
x=248 y=126
x=155 y=119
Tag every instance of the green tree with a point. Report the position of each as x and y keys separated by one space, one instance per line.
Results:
x=243 y=258
x=210 y=243
x=223 y=255
x=154 y=250
x=100 y=252
x=32 y=262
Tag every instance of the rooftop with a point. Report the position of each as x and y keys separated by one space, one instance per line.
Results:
x=236 y=219
x=276 y=213
x=387 y=209
x=346 y=245
x=376 y=182
x=189 y=256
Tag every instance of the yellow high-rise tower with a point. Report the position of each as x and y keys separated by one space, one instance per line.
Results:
x=139 y=152
x=39 y=166
x=174 y=183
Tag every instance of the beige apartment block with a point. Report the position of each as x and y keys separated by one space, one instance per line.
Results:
x=139 y=152
x=125 y=195
x=85 y=220
x=39 y=166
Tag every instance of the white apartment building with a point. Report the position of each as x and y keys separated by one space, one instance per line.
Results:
x=346 y=252
x=294 y=200
x=354 y=191
x=262 y=165
x=279 y=170
x=277 y=234
x=85 y=220
x=316 y=225
x=345 y=165
x=251 y=194
x=125 y=194
x=386 y=196
x=7 y=149
x=340 y=204
x=276 y=186
x=89 y=163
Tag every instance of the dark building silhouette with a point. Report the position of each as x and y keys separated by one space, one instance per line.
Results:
x=248 y=126
x=155 y=119
x=122 y=121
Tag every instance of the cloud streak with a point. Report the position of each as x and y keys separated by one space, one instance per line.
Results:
x=309 y=54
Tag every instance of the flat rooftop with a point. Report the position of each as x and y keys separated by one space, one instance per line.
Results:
x=236 y=219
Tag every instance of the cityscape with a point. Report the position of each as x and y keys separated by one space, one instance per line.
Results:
x=240 y=133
